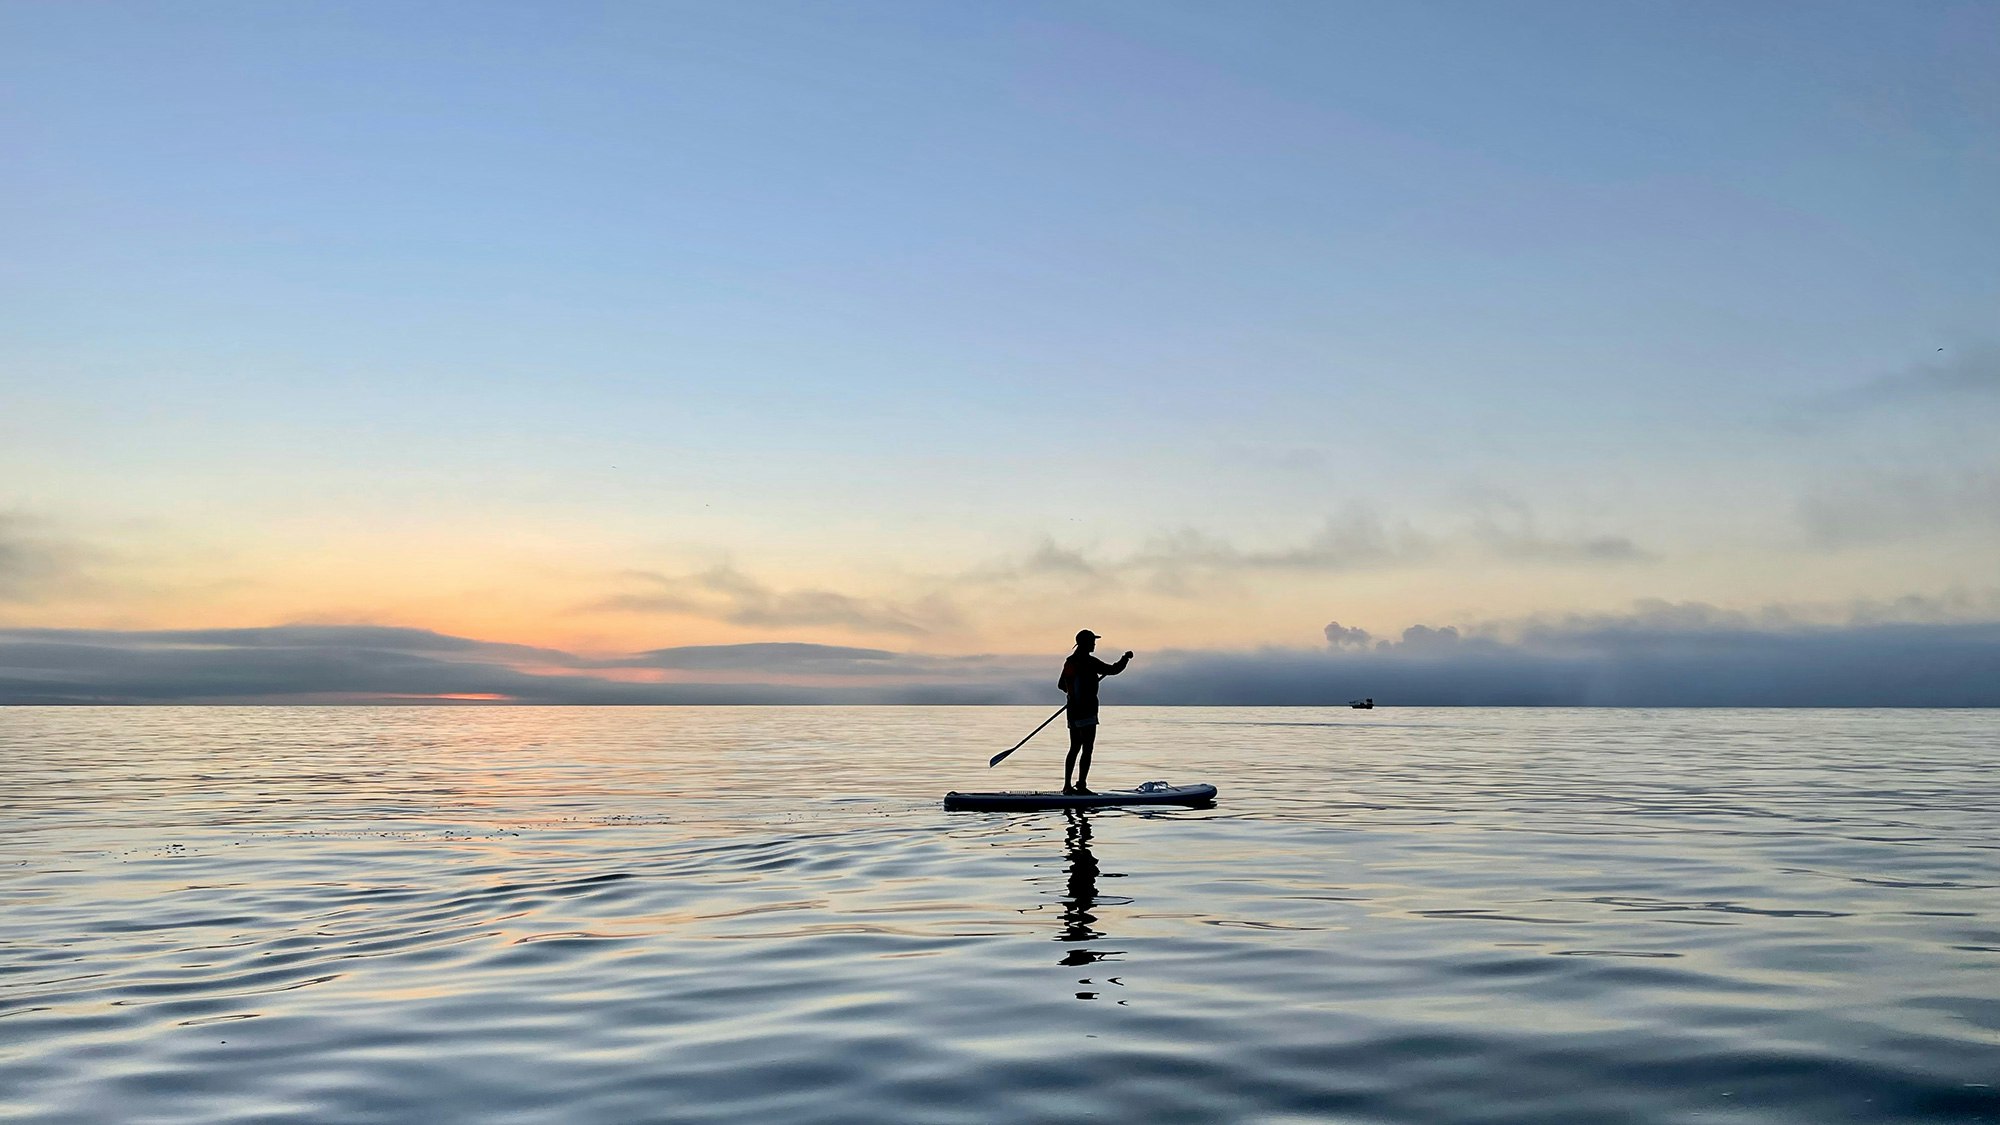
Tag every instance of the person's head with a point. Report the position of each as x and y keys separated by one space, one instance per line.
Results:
x=1085 y=640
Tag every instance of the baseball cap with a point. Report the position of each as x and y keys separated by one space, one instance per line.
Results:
x=1083 y=633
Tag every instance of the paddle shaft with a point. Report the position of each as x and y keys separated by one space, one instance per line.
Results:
x=1024 y=742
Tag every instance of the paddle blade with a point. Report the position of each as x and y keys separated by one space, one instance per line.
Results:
x=997 y=757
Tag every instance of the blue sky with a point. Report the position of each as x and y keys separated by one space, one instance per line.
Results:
x=616 y=327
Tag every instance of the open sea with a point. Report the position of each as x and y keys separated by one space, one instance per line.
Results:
x=763 y=915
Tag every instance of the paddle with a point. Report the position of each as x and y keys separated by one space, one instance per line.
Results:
x=1024 y=742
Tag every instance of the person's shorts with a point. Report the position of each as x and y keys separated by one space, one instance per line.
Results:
x=1080 y=717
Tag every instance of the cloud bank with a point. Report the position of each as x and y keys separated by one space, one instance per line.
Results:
x=1660 y=656
x=1623 y=664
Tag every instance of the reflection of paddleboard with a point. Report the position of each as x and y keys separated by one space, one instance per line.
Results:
x=1151 y=794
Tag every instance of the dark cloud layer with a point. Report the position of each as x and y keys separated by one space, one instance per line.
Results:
x=165 y=666
x=1625 y=666
x=376 y=663
x=1655 y=658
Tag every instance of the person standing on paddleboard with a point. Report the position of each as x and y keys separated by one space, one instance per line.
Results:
x=1079 y=678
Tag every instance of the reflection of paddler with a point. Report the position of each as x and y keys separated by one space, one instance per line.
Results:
x=1082 y=871
x=1079 y=923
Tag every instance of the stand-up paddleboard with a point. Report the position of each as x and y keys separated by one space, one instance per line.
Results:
x=1151 y=793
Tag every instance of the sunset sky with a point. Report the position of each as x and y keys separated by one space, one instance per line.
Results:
x=943 y=330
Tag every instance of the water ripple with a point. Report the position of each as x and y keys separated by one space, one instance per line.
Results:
x=218 y=915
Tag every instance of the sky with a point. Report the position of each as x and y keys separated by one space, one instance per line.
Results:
x=866 y=351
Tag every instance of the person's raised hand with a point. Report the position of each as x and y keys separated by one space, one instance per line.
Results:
x=1128 y=654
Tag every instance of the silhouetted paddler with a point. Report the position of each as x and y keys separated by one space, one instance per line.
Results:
x=1079 y=678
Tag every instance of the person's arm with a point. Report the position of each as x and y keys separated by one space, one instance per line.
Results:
x=1104 y=669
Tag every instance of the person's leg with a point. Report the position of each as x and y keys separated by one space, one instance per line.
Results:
x=1086 y=741
x=1069 y=764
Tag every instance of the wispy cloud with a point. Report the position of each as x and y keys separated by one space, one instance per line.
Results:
x=724 y=593
x=35 y=562
x=1189 y=562
x=1967 y=376
x=1051 y=559
x=1356 y=539
x=1858 y=508
x=1507 y=527
x=794 y=660
x=781 y=657
x=1910 y=455
x=1951 y=392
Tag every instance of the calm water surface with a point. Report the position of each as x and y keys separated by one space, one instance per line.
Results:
x=763 y=915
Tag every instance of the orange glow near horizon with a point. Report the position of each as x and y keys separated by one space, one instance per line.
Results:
x=553 y=592
x=614 y=675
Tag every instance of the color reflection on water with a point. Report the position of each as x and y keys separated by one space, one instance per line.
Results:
x=762 y=915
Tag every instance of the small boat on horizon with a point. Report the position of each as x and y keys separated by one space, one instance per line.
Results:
x=1362 y=704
